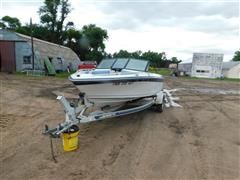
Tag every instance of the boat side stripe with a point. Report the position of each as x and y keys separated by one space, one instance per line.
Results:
x=102 y=81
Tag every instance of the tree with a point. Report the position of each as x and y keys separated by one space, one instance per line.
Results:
x=53 y=14
x=96 y=36
x=175 y=61
x=72 y=40
x=11 y=23
x=122 y=54
x=156 y=59
x=92 y=42
x=38 y=31
x=236 y=56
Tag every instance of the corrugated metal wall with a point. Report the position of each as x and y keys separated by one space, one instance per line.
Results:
x=7 y=56
x=22 y=49
x=43 y=50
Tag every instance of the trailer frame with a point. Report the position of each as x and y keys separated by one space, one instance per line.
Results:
x=75 y=114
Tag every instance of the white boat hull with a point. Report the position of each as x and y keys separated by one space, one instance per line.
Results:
x=103 y=94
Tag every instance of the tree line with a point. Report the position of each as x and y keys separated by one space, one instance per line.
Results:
x=88 y=42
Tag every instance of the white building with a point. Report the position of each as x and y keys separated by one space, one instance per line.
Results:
x=231 y=69
x=207 y=65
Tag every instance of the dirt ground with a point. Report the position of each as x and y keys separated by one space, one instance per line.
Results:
x=198 y=141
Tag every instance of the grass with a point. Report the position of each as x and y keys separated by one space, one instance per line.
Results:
x=20 y=73
x=162 y=71
x=63 y=74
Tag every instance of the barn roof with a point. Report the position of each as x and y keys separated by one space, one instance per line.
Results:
x=230 y=64
x=48 y=49
x=45 y=48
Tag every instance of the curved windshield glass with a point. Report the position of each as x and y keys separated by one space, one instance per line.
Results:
x=138 y=65
x=120 y=64
x=106 y=64
x=123 y=63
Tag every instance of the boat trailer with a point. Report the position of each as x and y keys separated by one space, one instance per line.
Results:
x=74 y=114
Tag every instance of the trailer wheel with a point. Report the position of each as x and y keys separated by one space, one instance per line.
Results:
x=159 y=108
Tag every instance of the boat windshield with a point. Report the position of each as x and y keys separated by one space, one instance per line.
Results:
x=120 y=63
x=138 y=65
x=123 y=63
x=106 y=64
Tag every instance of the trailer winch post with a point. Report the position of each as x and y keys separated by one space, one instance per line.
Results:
x=68 y=109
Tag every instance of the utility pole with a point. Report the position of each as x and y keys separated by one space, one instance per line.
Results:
x=33 y=56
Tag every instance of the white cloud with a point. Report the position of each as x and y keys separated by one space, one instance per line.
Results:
x=85 y=13
x=172 y=40
x=23 y=10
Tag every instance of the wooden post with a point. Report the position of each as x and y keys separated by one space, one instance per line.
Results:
x=33 y=55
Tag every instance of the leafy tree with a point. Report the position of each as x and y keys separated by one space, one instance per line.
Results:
x=156 y=59
x=53 y=14
x=38 y=31
x=72 y=40
x=236 y=56
x=136 y=55
x=92 y=42
x=96 y=36
x=94 y=55
x=8 y=22
x=122 y=54
x=176 y=61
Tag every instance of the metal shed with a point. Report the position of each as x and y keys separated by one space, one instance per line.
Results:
x=185 y=68
x=207 y=65
x=231 y=69
x=16 y=53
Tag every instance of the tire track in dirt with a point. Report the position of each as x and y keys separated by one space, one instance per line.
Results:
x=122 y=131
x=131 y=133
x=222 y=111
x=134 y=130
x=197 y=150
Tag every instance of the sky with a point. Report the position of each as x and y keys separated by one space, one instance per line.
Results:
x=176 y=27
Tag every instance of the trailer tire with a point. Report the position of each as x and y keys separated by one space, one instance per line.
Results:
x=159 y=108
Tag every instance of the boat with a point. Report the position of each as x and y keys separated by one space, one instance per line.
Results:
x=117 y=84
x=117 y=81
